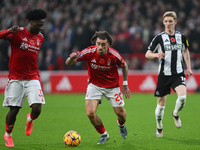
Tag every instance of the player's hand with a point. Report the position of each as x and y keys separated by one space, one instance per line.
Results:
x=15 y=29
x=189 y=72
x=126 y=91
x=161 y=55
x=74 y=55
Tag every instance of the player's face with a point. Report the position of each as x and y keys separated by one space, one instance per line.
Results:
x=37 y=26
x=102 y=46
x=169 y=23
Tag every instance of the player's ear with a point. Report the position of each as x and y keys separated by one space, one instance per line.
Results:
x=175 y=21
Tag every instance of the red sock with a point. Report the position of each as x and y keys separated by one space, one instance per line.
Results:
x=100 y=129
x=121 y=122
x=32 y=117
x=9 y=128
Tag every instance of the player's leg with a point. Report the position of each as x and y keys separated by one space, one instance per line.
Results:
x=162 y=89
x=180 y=103
x=91 y=108
x=179 y=86
x=159 y=113
x=92 y=100
x=10 y=121
x=35 y=112
x=121 y=113
x=14 y=98
x=115 y=97
x=35 y=99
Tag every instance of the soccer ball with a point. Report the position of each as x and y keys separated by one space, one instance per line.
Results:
x=72 y=138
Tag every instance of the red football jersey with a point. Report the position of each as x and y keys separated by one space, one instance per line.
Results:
x=102 y=69
x=24 y=50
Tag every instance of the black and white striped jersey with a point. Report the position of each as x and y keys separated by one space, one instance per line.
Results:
x=172 y=46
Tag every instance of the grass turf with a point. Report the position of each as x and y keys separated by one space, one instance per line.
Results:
x=67 y=112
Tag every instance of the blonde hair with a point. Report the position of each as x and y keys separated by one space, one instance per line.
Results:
x=170 y=14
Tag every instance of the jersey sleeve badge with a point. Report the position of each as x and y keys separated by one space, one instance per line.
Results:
x=80 y=55
x=187 y=43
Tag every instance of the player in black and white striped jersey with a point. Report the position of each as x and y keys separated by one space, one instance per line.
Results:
x=170 y=47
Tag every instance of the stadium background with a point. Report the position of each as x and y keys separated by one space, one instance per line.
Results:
x=71 y=23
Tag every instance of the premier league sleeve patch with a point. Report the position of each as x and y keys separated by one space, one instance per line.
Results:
x=187 y=43
x=80 y=55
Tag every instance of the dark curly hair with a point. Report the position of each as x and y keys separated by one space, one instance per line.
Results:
x=36 y=14
x=102 y=35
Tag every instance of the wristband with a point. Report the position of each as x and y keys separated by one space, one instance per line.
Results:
x=125 y=83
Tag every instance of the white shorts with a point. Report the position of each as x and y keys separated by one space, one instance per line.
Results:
x=114 y=95
x=17 y=90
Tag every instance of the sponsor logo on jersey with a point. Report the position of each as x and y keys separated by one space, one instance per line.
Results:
x=29 y=47
x=24 y=46
x=173 y=47
x=98 y=67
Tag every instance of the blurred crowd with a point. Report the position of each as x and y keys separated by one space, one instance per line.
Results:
x=70 y=24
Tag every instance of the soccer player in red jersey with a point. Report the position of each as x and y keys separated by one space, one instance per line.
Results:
x=24 y=78
x=102 y=62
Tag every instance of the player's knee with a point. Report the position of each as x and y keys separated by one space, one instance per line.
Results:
x=36 y=113
x=36 y=110
x=121 y=113
x=91 y=114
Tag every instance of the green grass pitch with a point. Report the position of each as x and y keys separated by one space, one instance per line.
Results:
x=64 y=112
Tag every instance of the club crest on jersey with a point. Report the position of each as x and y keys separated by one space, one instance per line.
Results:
x=109 y=61
x=178 y=39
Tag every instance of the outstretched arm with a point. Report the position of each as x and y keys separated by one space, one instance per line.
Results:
x=13 y=29
x=72 y=58
x=125 y=89
x=186 y=55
